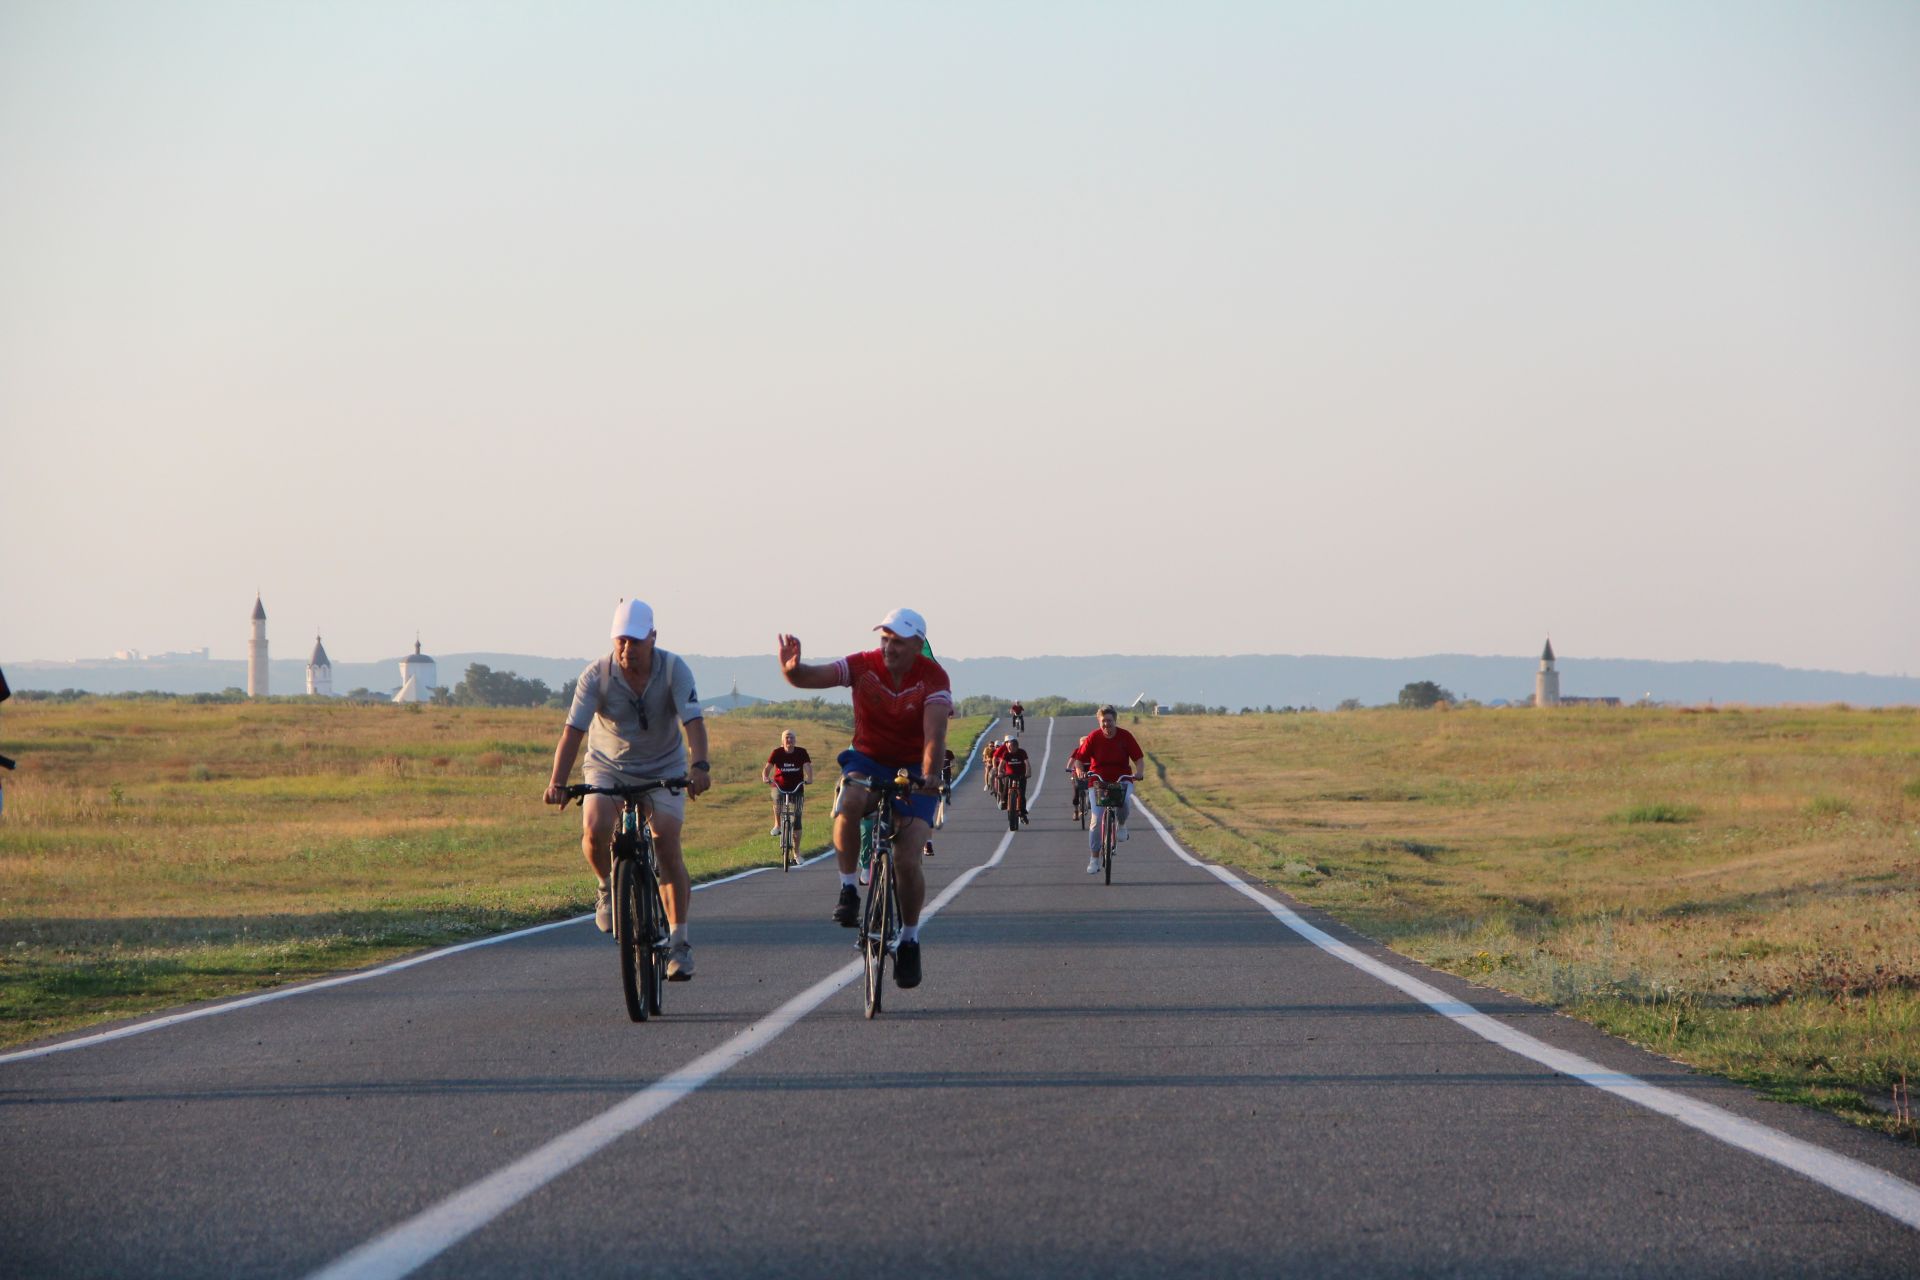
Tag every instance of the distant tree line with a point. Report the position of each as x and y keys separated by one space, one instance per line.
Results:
x=482 y=686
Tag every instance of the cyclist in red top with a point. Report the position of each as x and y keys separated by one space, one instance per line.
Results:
x=1106 y=755
x=902 y=701
x=788 y=768
x=1015 y=764
x=1019 y=714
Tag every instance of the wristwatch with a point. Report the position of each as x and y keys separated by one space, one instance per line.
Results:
x=702 y=764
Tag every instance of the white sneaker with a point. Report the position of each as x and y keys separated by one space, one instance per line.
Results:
x=1093 y=865
x=680 y=962
x=603 y=909
x=1123 y=833
x=775 y=831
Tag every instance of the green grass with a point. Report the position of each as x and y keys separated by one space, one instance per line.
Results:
x=156 y=853
x=1760 y=918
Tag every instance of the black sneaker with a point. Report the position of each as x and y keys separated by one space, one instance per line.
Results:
x=847 y=912
x=906 y=965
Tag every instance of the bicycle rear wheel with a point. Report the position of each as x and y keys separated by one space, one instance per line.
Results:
x=630 y=933
x=876 y=923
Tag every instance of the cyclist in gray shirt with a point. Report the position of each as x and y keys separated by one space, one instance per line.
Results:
x=631 y=708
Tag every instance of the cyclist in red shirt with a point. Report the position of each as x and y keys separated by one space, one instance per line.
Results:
x=1015 y=764
x=1019 y=714
x=788 y=768
x=1106 y=755
x=902 y=701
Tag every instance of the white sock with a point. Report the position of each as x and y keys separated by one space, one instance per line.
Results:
x=679 y=933
x=909 y=933
x=848 y=880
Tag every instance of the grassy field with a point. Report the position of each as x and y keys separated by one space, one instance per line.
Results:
x=158 y=852
x=1739 y=890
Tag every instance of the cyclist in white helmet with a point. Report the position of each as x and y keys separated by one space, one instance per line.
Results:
x=632 y=708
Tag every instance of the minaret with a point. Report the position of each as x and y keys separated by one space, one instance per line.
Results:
x=257 y=652
x=319 y=671
x=1546 y=681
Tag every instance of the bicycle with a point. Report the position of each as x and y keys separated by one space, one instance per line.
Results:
x=1016 y=801
x=639 y=912
x=789 y=829
x=946 y=796
x=1111 y=796
x=880 y=915
x=1019 y=722
x=1080 y=805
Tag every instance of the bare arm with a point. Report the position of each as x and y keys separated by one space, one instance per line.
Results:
x=933 y=724
x=563 y=757
x=805 y=675
x=698 y=780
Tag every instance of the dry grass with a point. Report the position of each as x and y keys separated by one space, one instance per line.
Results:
x=155 y=852
x=1740 y=890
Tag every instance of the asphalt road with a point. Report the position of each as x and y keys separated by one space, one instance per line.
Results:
x=1151 y=1077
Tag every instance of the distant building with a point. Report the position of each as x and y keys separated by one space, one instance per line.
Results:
x=257 y=652
x=1546 y=687
x=1546 y=681
x=319 y=671
x=732 y=702
x=418 y=676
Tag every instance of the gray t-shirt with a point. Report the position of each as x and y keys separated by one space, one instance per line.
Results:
x=637 y=736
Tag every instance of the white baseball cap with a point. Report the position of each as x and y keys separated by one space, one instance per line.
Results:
x=905 y=623
x=633 y=618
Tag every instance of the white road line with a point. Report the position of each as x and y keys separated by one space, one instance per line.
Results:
x=417 y=1241
x=247 y=1002
x=281 y=993
x=1895 y=1197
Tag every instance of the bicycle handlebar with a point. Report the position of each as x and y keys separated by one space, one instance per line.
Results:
x=576 y=791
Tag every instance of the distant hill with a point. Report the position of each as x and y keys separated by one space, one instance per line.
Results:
x=1251 y=680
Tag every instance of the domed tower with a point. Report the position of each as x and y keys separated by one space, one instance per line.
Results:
x=1546 y=681
x=257 y=652
x=418 y=675
x=319 y=671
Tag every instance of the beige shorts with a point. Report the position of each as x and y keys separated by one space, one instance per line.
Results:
x=661 y=803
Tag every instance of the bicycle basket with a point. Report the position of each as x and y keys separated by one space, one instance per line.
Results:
x=1113 y=797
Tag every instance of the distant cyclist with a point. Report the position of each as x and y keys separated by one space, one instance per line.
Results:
x=902 y=701
x=1105 y=756
x=788 y=769
x=1019 y=714
x=1016 y=768
x=631 y=707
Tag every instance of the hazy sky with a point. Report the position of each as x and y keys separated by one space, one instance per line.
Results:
x=1379 y=329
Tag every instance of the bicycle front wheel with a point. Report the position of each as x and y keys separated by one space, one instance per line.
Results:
x=1013 y=806
x=876 y=924
x=786 y=841
x=655 y=969
x=1108 y=825
x=633 y=939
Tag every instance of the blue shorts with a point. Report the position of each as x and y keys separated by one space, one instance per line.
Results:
x=916 y=806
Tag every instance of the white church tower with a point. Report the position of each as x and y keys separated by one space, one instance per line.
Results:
x=257 y=652
x=418 y=676
x=319 y=671
x=1546 y=681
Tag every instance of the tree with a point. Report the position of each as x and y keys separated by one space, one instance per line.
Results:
x=1422 y=694
x=1349 y=704
x=484 y=687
